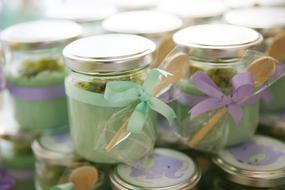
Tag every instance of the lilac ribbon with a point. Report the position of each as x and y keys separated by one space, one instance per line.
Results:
x=45 y=93
x=243 y=87
x=6 y=180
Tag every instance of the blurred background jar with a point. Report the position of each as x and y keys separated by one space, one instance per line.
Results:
x=34 y=71
x=54 y=155
x=255 y=165
x=93 y=62
x=164 y=169
x=218 y=50
x=271 y=23
x=16 y=157
x=89 y=14
x=2 y=78
x=194 y=12
x=130 y=5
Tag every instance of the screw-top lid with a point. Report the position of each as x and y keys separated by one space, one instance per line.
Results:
x=55 y=148
x=128 y=5
x=270 y=2
x=40 y=34
x=82 y=12
x=259 y=162
x=214 y=41
x=258 y=18
x=149 y=23
x=109 y=53
x=188 y=9
x=164 y=169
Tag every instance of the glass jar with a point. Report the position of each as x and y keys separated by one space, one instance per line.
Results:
x=151 y=24
x=270 y=22
x=16 y=157
x=2 y=82
x=217 y=50
x=256 y=165
x=56 y=160
x=35 y=71
x=158 y=27
x=94 y=61
x=88 y=14
x=164 y=169
x=194 y=12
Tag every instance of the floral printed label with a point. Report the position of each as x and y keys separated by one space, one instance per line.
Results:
x=260 y=153
x=163 y=168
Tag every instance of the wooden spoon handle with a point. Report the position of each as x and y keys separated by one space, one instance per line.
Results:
x=207 y=127
x=118 y=136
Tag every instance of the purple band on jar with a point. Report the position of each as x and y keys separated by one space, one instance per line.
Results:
x=45 y=93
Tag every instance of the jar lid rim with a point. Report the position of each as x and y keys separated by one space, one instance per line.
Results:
x=258 y=176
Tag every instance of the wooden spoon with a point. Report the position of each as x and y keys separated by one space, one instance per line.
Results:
x=277 y=48
x=163 y=50
x=261 y=69
x=84 y=178
x=178 y=67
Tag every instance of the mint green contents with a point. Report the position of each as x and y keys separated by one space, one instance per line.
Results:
x=39 y=115
x=278 y=101
x=17 y=156
x=226 y=132
x=93 y=127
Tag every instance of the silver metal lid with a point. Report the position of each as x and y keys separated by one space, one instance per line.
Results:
x=164 y=169
x=270 y=3
x=187 y=9
x=216 y=41
x=40 y=34
x=55 y=149
x=82 y=12
x=149 y=23
x=109 y=53
x=257 y=163
x=267 y=20
x=129 y=5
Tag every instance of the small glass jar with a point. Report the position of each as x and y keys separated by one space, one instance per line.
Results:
x=194 y=12
x=270 y=22
x=88 y=14
x=130 y=5
x=16 y=156
x=164 y=169
x=2 y=81
x=56 y=160
x=35 y=71
x=157 y=26
x=256 y=165
x=94 y=61
x=217 y=50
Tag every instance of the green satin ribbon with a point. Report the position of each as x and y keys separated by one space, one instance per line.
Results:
x=66 y=186
x=127 y=93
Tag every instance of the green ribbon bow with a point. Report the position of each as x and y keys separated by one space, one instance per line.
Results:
x=66 y=186
x=127 y=93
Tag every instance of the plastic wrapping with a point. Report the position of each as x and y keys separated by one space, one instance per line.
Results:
x=226 y=131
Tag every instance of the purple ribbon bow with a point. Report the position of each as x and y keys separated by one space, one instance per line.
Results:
x=6 y=181
x=243 y=87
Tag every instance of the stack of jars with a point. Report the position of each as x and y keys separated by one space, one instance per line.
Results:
x=150 y=105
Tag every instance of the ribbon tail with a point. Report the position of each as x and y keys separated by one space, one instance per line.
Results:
x=205 y=106
x=152 y=79
x=236 y=113
x=163 y=109
x=66 y=186
x=138 y=118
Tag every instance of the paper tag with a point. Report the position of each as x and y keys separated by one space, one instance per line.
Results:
x=277 y=47
x=164 y=48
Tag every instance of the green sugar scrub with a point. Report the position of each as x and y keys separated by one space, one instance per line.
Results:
x=94 y=121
